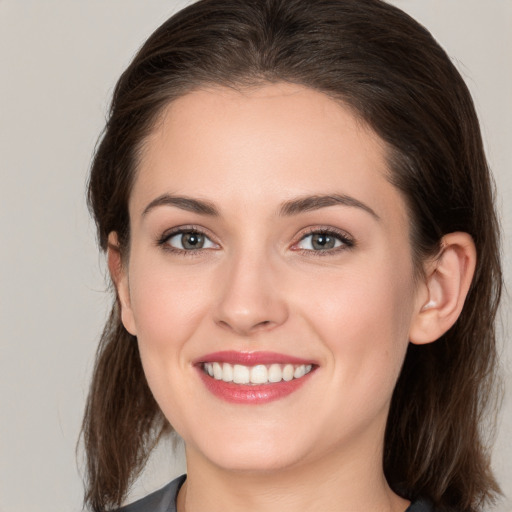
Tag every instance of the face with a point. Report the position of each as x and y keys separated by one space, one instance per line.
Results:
x=269 y=280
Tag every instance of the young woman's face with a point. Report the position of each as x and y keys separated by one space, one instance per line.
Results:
x=268 y=245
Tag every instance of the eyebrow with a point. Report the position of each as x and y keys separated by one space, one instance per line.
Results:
x=185 y=203
x=309 y=203
x=288 y=208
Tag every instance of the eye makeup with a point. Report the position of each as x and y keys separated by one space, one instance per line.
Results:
x=318 y=241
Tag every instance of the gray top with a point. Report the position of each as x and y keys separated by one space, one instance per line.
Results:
x=164 y=500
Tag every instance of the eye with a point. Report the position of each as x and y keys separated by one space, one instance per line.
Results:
x=187 y=240
x=324 y=240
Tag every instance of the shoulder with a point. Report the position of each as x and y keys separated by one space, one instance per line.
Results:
x=421 y=505
x=163 y=500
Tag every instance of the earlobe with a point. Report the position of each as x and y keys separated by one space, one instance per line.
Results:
x=446 y=286
x=120 y=279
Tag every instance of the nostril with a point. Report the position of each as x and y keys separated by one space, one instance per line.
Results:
x=246 y=329
x=262 y=325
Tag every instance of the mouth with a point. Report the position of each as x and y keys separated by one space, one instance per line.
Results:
x=253 y=377
x=256 y=375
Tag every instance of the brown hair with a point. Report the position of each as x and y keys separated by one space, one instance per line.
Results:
x=391 y=72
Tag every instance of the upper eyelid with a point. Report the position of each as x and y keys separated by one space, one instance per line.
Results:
x=324 y=229
x=342 y=234
x=162 y=242
x=169 y=233
x=347 y=241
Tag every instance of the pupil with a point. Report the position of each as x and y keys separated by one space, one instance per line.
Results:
x=322 y=241
x=192 y=240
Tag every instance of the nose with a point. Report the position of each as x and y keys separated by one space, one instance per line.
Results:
x=250 y=299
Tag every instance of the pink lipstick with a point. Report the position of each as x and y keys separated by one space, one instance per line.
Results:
x=253 y=377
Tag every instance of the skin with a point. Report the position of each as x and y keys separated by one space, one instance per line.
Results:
x=258 y=285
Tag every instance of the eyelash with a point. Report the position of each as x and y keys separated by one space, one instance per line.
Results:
x=347 y=242
x=164 y=239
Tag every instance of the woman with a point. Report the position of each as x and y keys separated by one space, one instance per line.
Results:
x=298 y=218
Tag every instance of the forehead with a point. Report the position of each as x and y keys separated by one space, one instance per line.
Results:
x=253 y=145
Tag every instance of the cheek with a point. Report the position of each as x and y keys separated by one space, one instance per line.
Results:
x=168 y=306
x=365 y=325
x=166 y=303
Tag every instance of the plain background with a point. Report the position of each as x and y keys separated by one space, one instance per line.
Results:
x=59 y=61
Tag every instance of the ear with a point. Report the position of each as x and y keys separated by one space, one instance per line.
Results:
x=446 y=286
x=119 y=276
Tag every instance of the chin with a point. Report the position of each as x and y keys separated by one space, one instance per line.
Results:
x=243 y=453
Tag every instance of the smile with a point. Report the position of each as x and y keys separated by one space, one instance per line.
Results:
x=253 y=378
x=259 y=374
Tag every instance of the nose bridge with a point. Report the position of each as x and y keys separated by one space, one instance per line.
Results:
x=250 y=299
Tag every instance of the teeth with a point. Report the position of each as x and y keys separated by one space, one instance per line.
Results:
x=288 y=372
x=217 y=371
x=259 y=374
x=275 y=374
x=227 y=372
x=299 y=372
x=241 y=374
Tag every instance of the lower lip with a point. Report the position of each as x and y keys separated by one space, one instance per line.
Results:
x=251 y=394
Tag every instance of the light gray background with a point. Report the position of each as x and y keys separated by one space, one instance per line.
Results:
x=58 y=63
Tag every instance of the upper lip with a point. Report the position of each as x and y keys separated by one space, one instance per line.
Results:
x=250 y=358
